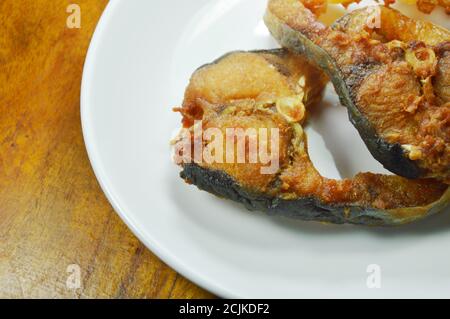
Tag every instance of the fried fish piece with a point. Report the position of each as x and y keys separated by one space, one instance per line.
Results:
x=390 y=71
x=261 y=90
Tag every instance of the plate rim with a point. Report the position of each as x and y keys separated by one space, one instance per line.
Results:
x=151 y=243
x=166 y=255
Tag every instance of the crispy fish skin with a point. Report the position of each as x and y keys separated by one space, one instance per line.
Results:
x=307 y=208
x=239 y=79
x=400 y=112
x=296 y=190
x=393 y=26
x=426 y=6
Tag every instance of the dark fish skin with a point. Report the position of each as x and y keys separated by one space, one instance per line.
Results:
x=307 y=208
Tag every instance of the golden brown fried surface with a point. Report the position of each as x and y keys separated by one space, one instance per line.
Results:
x=393 y=26
x=238 y=75
x=426 y=6
x=255 y=107
x=398 y=73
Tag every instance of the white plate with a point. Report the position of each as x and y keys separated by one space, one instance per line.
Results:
x=139 y=62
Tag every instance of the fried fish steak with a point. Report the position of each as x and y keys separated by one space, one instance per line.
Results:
x=252 y=90
x=391 y=72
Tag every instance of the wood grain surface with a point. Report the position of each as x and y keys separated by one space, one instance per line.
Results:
x=52 y=211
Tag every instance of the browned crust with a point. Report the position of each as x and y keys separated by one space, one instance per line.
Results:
x=398 y=101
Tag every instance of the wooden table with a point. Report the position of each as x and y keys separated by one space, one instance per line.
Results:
x=52 y=211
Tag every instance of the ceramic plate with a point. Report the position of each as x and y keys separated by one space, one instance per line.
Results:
x=138 y=65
